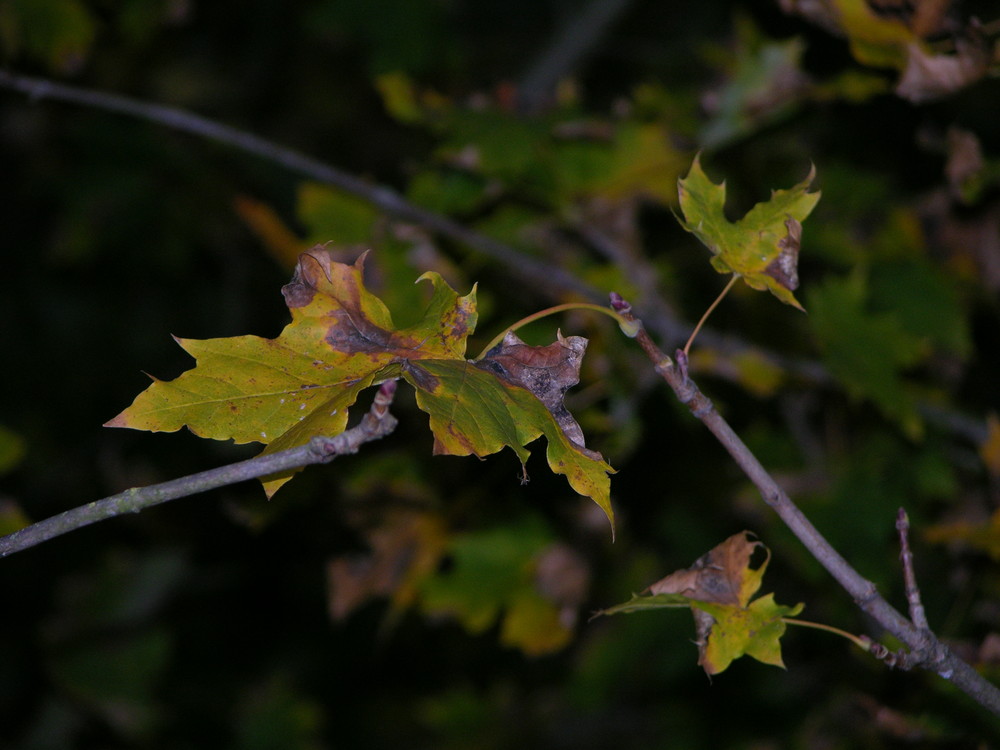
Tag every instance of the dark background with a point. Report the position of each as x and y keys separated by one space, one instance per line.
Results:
x=204 y=622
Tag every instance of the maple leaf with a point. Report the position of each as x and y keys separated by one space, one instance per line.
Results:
x=282 y=392
x=763 y=247
x=718 y=588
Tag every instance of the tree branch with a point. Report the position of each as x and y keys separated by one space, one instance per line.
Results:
x=656 y=313
x=380 y=196
x=926 y=651
x=376 y=423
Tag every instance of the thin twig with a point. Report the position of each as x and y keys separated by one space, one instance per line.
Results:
x=925 y=650
x=917 y=614
x=377 y=423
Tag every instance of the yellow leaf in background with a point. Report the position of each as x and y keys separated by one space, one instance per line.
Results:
x=990 y=449
x=983 y=536
x=279 y=240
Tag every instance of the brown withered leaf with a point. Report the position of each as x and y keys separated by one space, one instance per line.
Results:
x=719 y=576
x=404 y=549
x=927 y=77
x=546 y=371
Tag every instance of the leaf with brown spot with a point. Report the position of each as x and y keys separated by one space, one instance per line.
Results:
x=474 y=410
x=762 y=248
x=718 y=589
x=342 y=339
x=546 y=371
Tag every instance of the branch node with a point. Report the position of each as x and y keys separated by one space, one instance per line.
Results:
x=893 y=659
x=619 y=304
x=681 y=357
x=869 y=595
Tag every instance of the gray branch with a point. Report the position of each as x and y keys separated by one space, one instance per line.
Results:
x=377 y=423
x=925 y=650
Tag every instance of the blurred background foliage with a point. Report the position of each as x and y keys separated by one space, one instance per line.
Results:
x=400 y=599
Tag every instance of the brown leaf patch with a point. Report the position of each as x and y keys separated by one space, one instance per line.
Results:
x=785 y=267
x=546 y=371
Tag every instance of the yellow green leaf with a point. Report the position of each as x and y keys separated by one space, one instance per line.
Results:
x=473 y=412
x=763 y=247
x=718 y=588
x=284 y=391
x=753 y=630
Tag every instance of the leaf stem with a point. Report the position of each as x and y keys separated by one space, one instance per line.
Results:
x=551 y=311
x=723 y=293
x=856 y=640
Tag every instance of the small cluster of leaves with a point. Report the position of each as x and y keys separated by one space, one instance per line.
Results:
x=342 y=339
x=897 y=38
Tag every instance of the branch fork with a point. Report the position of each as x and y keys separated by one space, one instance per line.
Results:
x=922 y=647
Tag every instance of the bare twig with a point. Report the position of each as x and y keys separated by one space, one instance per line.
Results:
x=925 y=650
x=917 y=614
x=377 y=423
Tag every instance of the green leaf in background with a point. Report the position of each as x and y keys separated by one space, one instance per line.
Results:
x=493 y=576
x=925 y=302
x=867 y=351
x=762 y=248
x=642 y=162
x=59 y=32
x=278 y=715
x=334 y=216
x=764 y=84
